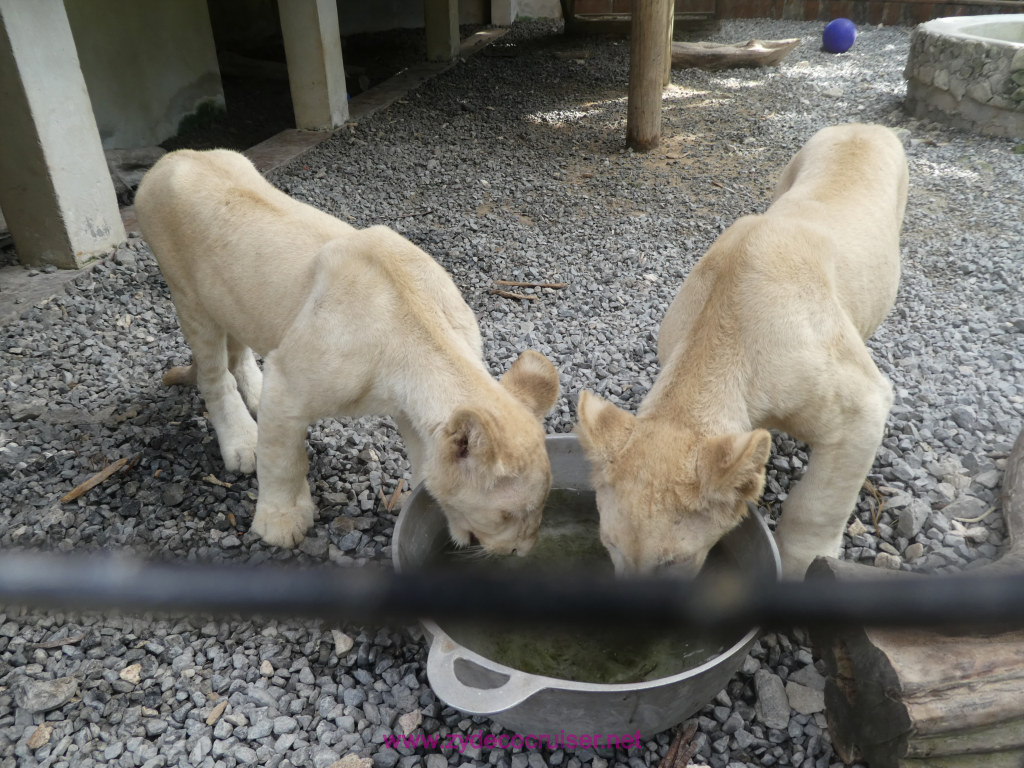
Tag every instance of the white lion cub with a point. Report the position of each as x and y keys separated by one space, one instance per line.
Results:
x=767 y=332
x=350 y=322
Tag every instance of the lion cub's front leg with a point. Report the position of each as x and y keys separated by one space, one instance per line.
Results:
x=284 y=509
x=818 y=507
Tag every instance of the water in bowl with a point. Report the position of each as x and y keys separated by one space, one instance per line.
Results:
x=569 y=539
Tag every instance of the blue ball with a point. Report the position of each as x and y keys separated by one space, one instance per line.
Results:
x=839 y=35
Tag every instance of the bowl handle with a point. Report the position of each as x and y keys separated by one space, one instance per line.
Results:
x=441 y=658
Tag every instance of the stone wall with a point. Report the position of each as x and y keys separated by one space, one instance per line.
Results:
x=973 y=85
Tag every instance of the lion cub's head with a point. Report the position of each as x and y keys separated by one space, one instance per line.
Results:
x=491 y=475
x=665 y=495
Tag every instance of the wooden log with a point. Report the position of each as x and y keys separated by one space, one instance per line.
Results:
x=898 y=698
x=647 y=51
x=753 y=53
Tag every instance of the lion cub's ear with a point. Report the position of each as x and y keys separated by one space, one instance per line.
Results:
x=731 y=467
x=469 y=439
x=533 y=381
x=603 y=428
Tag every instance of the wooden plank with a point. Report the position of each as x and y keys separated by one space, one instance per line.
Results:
x=753 y=53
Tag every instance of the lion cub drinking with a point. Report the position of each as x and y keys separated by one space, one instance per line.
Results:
x=767 y=332
x=350 y=322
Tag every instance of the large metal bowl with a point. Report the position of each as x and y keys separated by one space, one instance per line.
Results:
x=534 y=704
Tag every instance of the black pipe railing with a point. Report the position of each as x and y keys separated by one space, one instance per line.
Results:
x=378 y=595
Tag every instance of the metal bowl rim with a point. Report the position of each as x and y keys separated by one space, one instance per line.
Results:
x=438 y=634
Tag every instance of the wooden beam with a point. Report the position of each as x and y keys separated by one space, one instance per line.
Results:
x=753 y=53
x=647 y=52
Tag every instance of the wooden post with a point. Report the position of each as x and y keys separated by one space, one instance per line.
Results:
x=647 y=52
x=671 y=11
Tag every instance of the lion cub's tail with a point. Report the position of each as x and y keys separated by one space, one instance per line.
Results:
x=180 y=375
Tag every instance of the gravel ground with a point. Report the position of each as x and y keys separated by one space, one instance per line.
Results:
x=505 y=167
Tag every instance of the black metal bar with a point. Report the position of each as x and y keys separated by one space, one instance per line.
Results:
x=376 y=594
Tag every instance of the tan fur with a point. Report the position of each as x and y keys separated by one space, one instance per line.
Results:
x=349 y=322
x=766 y=333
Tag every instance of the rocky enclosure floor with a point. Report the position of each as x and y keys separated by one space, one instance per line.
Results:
x=506 y=167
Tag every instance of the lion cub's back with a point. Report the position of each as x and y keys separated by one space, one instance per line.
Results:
x=231 y=245
x=214 y=205
x=380 y=266
x=188 y=187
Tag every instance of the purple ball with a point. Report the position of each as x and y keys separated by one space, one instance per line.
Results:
x=839 y=35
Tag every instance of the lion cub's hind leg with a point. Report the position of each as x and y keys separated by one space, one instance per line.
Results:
x=248 y=376
x=232 y=422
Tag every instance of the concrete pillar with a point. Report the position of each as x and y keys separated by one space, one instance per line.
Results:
x=316 y=72
x=55 y=189
x=441 y=19
x=504 y=12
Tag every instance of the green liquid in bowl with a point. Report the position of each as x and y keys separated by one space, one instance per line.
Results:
x=569 y=540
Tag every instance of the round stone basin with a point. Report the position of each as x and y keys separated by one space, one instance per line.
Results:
x=968 y=72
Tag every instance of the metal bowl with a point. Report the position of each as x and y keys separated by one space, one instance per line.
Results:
x=530 y=703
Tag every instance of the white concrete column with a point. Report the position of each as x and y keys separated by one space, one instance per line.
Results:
x=441 y=20
x=316 y=72
x=55 y=189
x=504 y=12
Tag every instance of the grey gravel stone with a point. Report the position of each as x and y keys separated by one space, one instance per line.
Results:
x=772 y=703
x=285 y=725
x=965 y=508
x=804 y=699
x=989 y=479
x=808 y=676
x=912 y=518
x=45 y=695
x=889 y=561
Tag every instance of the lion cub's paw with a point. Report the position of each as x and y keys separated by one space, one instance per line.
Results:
x=283 y=526
x=797 y=558
x=238 y=450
